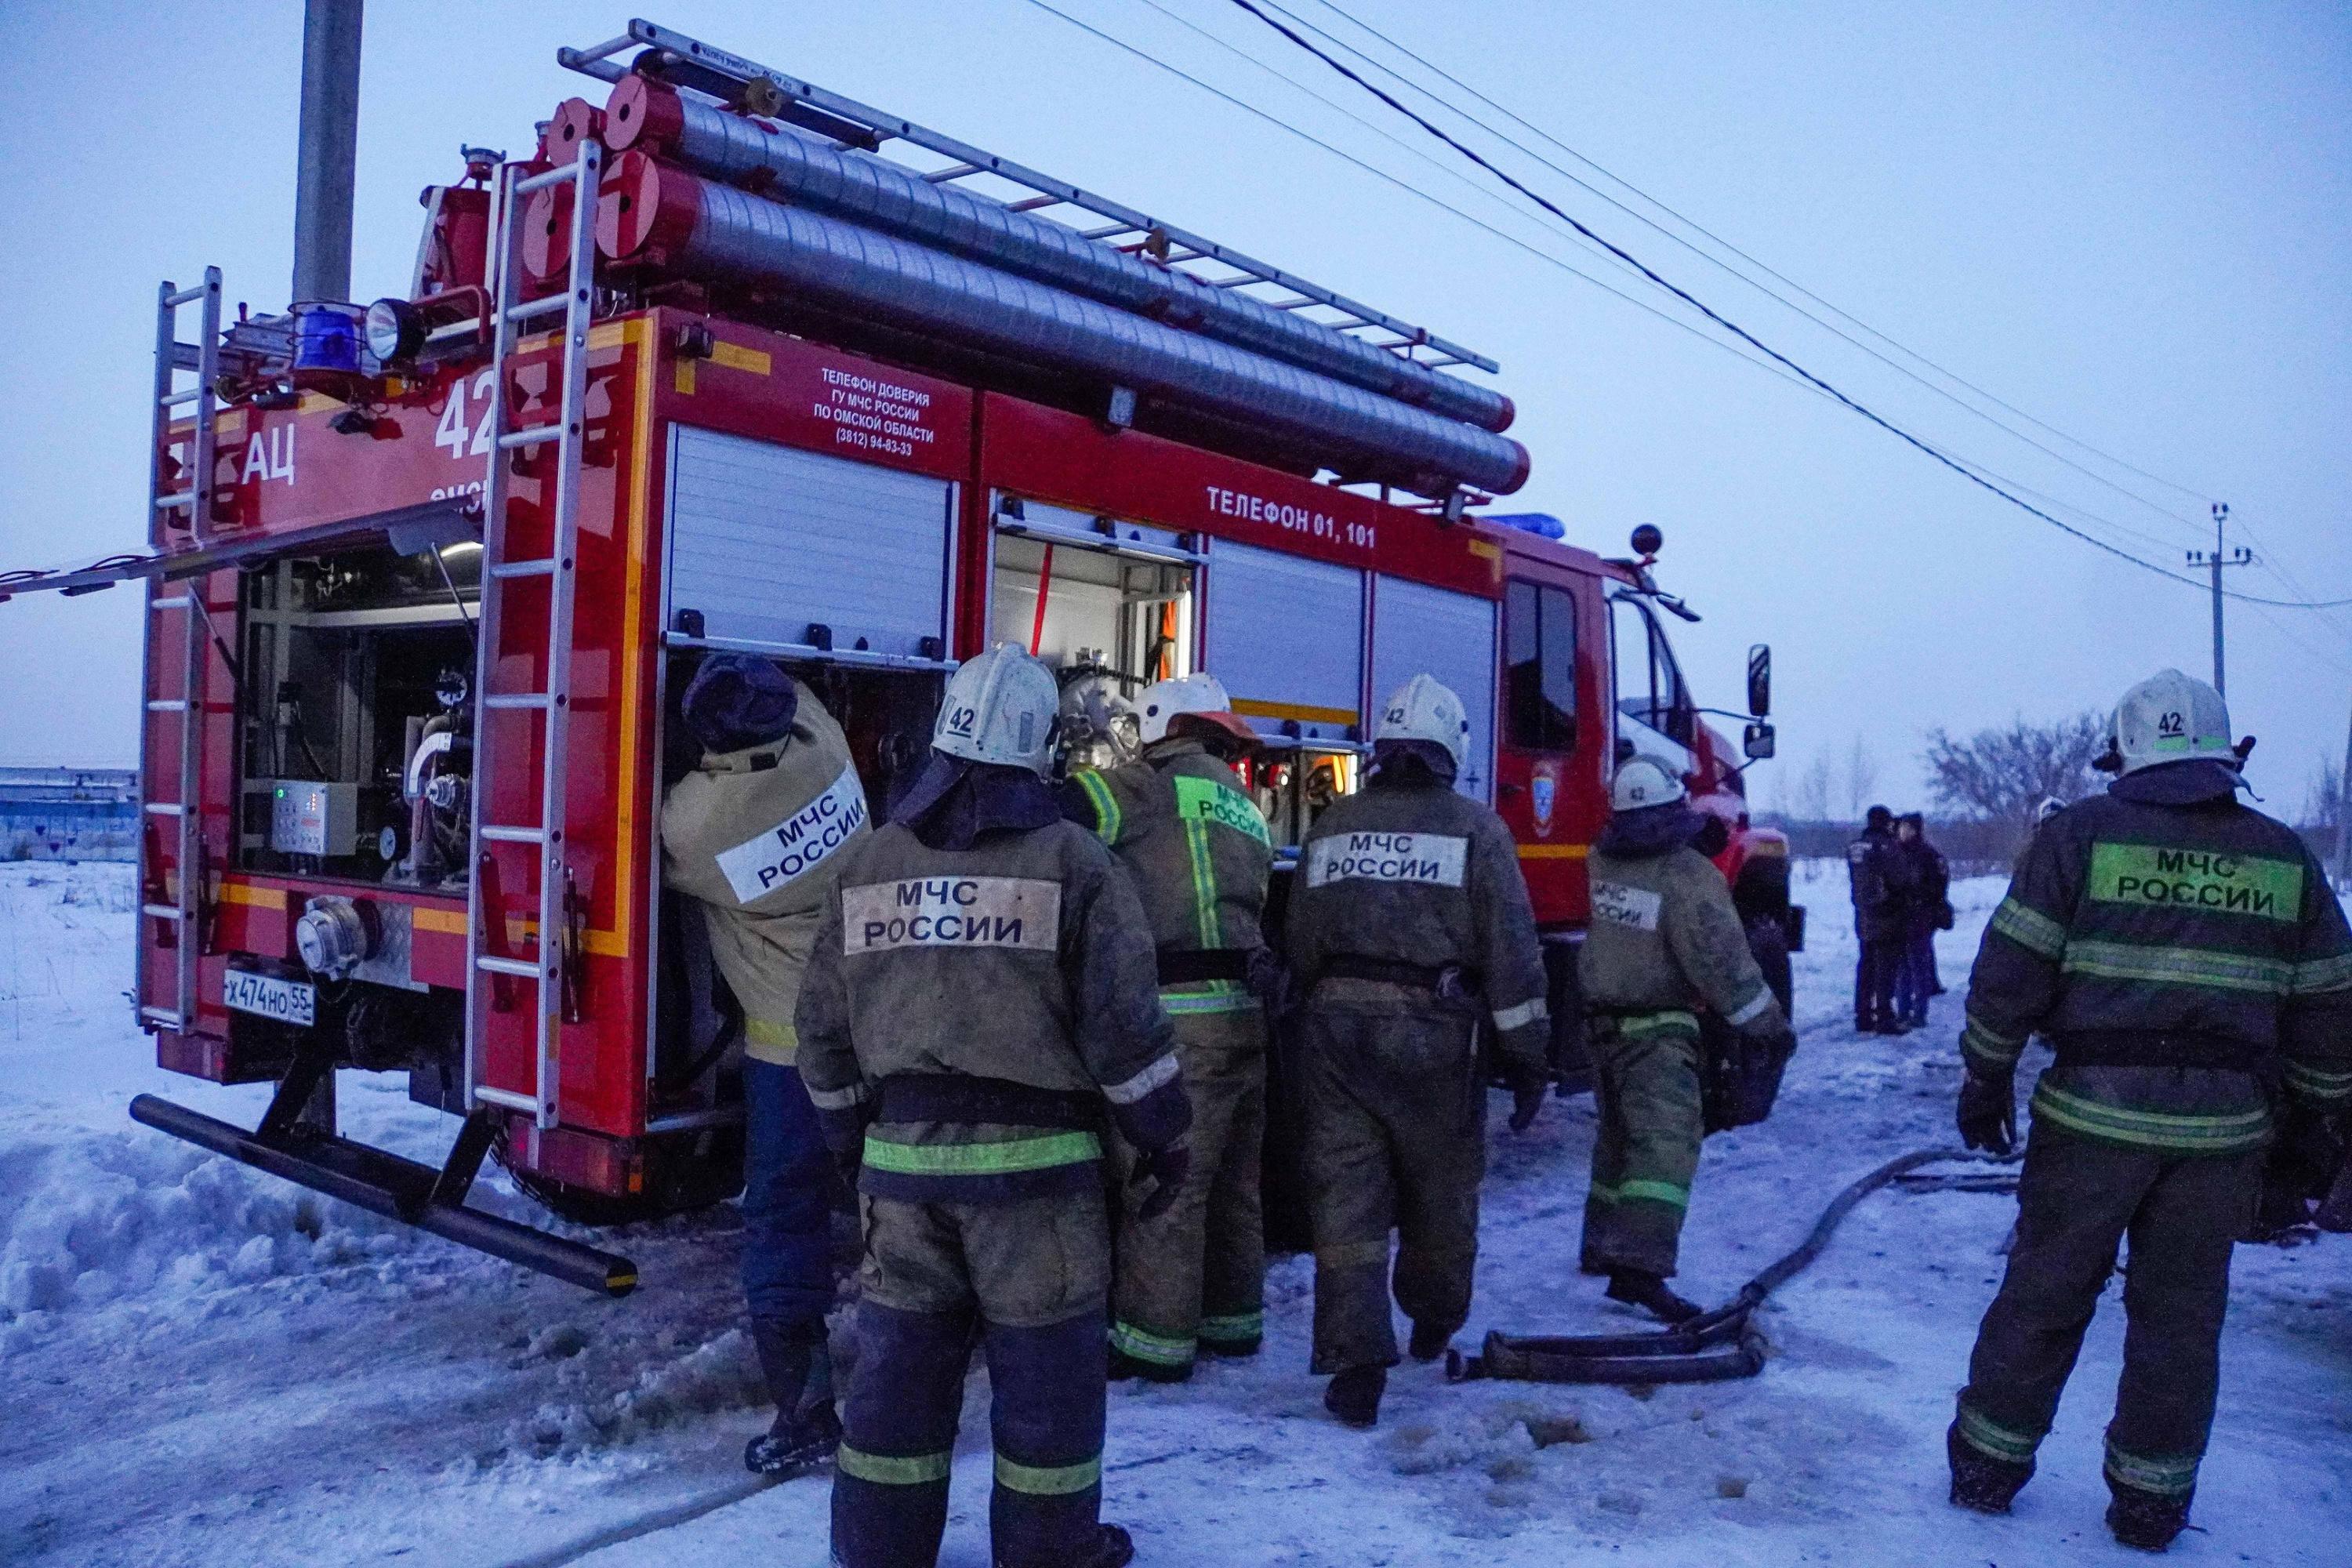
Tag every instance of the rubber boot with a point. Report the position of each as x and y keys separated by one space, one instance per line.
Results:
x=1981 y=1481
x=1648 y=1291
x=2144 y=1521
x=1122 y=1366
x=1354 y=1395
x=1113 y=1548
x=1429 y=1342
x=806 y=1431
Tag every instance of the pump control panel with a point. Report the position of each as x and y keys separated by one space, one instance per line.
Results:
x=310 y=817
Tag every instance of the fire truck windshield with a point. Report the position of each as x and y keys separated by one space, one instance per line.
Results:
x=1650 y=694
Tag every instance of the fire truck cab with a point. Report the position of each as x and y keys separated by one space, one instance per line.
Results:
x=426 y=582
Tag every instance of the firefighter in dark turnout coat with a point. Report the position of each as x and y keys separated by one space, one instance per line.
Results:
x=1180 y=820
x=2180 y=950
x=1665 y=940
x=981 y=993
x=1409 y=930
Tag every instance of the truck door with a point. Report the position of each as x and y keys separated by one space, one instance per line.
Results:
x=1548 y=771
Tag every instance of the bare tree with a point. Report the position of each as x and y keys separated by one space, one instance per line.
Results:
x=1811 y=795
x=2001 y=774
x=2324 y=807
x=1861 y=778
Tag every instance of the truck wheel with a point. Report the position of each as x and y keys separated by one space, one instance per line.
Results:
x=691 y=1172
x=1769 y=943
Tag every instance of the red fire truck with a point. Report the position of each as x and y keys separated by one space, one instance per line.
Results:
x=709 y=370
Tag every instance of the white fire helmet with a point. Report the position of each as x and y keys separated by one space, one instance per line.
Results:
x=2171 y=718
x=1000 y=707
x=1424 y=708
x=1202 y=696
x=1645 y=782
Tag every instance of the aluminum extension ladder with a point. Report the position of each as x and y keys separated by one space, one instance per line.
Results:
x=488 y=968
x=165 y=497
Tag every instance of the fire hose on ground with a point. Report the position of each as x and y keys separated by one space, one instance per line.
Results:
x=1714 y=1346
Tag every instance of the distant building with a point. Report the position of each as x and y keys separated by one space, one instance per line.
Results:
x=69 y=814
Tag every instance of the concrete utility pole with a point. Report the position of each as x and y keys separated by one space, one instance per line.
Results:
x=326 y=154
x=2218 y=559
x=328 y=150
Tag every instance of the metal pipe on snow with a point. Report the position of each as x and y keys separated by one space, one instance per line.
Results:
x=652 y=211
x=810 y=172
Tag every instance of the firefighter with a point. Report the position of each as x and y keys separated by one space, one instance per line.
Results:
x=1880 y=879
x=2178 y=948
x=982 y=995
x=1181 y=820
x=1409 y=928
x=1665 y=939
x=753 y=835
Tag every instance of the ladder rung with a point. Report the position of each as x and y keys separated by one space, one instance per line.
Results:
x=530 y=438
x=532 y=310
x=513 y=569
x=515 y=835
x=165 y=808
x=194 y=291
x=172 y=400
x=507 y=1098
x=177 y=498
x=514 y=966
x=954 y=172
x=163 y=1015
x=176 y=602
x=168 y=705
x=517 y=700
x=556 y=177
x=163 y=911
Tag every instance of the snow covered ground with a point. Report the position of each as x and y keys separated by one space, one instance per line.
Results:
x=204 y=1366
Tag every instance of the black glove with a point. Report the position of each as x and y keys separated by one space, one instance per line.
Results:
x=2310 y=1149
x=1167 y=1167
x=1988 y=1113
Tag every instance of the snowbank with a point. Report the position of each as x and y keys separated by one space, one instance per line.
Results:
x=212 y=1367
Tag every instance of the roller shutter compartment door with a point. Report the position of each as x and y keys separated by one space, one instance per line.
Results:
x=1420 y=630
x=1286 y=636
x=765 y=541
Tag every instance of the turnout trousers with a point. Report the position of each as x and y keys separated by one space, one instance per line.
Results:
x=2076 y=1200
x=1031 y=1274
x=787 y=1202
x=1875 y=970
x=1646 y=1148
x=1396 y=1112
x=1195 y=1278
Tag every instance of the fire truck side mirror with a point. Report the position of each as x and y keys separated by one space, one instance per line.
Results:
x=1759 y=743
x=1759 y=680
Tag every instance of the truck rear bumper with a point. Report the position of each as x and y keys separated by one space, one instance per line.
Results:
x=386 y=1184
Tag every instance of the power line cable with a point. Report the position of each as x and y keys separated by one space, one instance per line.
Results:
x=1408 y=187
x=1760 y=265
x=1742 y=333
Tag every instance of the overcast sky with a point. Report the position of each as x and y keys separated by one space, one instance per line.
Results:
x=2133 y=221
